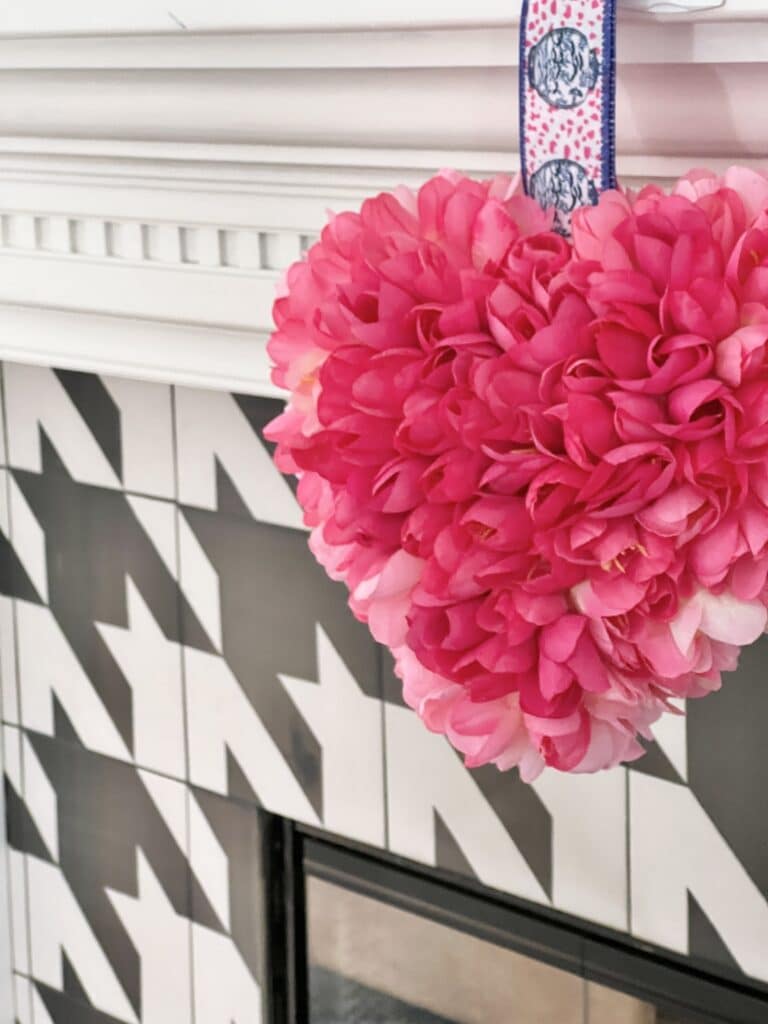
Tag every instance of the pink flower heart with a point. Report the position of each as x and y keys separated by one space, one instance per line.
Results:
x=540 y=467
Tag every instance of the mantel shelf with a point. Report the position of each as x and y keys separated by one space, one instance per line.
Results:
x=154 y=183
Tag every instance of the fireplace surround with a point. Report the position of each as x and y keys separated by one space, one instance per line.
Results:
x=218 y=808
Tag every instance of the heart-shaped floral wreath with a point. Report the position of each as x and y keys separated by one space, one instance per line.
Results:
x=540 y=464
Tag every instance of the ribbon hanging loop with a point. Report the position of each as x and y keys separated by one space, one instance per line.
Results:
x=567 y=102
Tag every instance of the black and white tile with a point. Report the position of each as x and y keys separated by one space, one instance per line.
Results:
x=120 y=910
x=228 y=909
x=173 y=663
x=283 y=685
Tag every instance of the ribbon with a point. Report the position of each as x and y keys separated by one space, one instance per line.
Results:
x=567 y=102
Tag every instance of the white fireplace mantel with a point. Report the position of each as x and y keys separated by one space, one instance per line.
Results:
x=159 y=168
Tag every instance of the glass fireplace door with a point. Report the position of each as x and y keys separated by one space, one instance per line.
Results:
x=373 y=963
x=381 y=941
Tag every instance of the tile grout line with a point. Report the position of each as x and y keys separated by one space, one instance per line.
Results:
x=23 y=730
x=179 y=585
x=20 y=716
x=184 y=711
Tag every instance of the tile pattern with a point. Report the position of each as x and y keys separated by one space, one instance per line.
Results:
x=173 y=662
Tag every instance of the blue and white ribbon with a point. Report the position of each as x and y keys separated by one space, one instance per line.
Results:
x=567 y=102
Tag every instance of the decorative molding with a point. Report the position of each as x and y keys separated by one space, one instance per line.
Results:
x=140 y=349
x=704 y=38
x=150 y=242
x=666 y=109
x=336 y=170
x=155 y=186
x=163 y=264
x=36 y=17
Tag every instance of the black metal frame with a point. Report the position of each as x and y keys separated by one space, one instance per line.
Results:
x=287 y=991
x=670 y=982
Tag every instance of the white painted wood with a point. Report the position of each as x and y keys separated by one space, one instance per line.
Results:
x=139 y=349
x=54 y=234
x=678 y=108
x=124 y=239
x=294 y=170
x=89 y=236
x=94 y=16
x=49 y=16
x=156 y=180
x=191 y=248
x=184 y=293
x=641 y=40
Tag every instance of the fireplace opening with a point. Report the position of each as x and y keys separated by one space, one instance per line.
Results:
x=360 y=937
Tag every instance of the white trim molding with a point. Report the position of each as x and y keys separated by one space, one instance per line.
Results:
x=155 y=184
x=35 y=17
x=124 y=346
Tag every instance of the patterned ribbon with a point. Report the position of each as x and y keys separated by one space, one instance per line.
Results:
x=567 y=102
